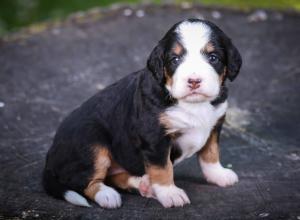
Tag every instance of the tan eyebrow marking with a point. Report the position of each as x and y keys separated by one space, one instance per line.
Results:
x=209 y=47
x=177 y=49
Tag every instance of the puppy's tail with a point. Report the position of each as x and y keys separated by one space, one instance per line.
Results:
x=57 y=190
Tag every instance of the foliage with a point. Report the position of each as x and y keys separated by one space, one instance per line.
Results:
x=18 y=13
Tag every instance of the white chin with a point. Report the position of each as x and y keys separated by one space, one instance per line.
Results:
x=196 y=98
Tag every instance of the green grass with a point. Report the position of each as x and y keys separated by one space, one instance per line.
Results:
x=19 y=13
x=249 y=4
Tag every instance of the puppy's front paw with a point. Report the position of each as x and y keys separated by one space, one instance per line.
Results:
x=170 y=196
x=215 y=173
x=223 y=178
x=145 y=188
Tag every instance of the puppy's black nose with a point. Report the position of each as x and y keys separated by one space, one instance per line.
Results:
x=194 y=83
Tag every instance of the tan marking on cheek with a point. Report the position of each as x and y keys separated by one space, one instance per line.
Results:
x=223 y=76
x=169 y=79
x=161 y=175
x=102 y=161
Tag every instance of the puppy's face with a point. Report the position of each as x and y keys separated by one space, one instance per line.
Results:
x=193 y=60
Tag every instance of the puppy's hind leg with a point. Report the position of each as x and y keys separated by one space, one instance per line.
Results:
x=105 y=196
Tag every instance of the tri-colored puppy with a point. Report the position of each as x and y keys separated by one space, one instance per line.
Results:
x=147 y=122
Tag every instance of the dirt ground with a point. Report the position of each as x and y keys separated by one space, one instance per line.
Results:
x=46 y=75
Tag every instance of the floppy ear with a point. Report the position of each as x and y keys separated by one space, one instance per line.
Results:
x=155 y=62
x=234 y=60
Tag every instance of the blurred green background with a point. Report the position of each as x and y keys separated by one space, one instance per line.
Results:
x=19 y=13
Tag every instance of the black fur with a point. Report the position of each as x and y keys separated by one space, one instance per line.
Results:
x=124 y=118
x=222 y=96
x=232 y=59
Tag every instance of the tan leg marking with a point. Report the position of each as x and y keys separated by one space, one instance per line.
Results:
x=161 y=175
x=119 y=179
x=124 y=180
x=209 y=160
x=210 y=152
x=163 y=187
x=102 y=162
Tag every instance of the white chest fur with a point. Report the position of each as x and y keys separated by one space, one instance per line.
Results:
x=194 y=121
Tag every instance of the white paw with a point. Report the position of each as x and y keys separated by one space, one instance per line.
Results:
x=145 y=187
x=215 y=173
x=107 y=197
x=170 y=196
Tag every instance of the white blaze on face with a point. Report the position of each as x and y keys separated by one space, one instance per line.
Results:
x=194 y=37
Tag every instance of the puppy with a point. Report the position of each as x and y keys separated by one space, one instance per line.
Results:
x=147 y=122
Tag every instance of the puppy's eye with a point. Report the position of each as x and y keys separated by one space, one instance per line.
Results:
x=175 y=60
x=213 y=58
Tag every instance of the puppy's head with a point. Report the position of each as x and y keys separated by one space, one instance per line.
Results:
x=193 y=59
